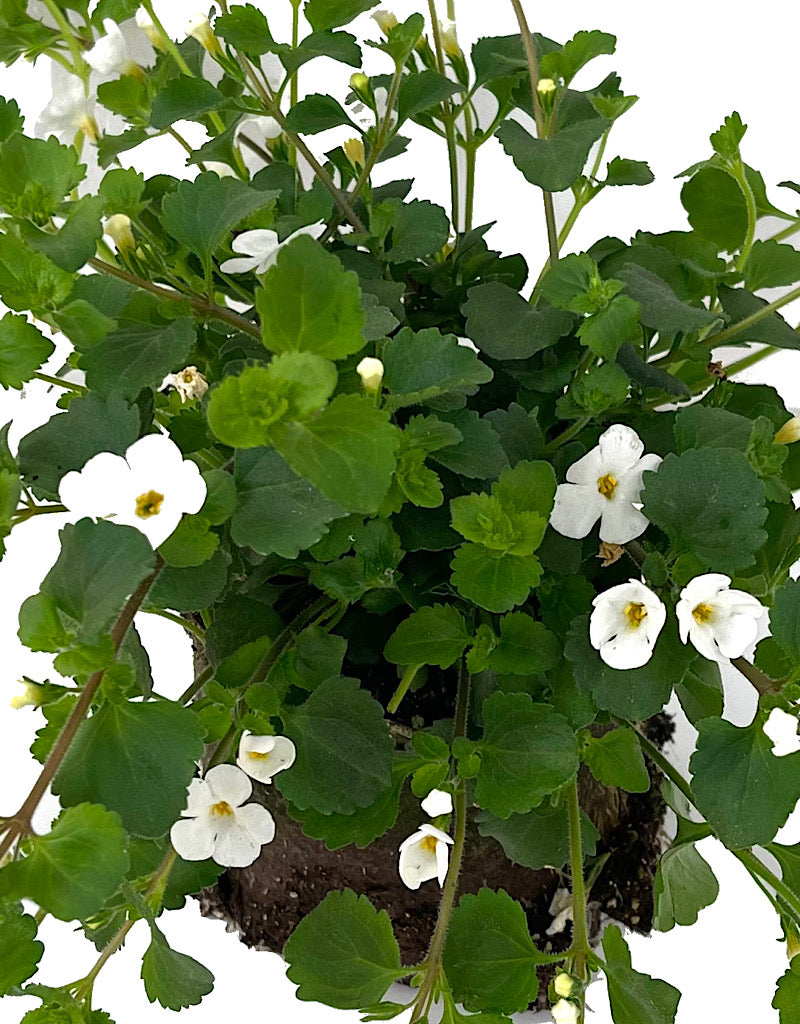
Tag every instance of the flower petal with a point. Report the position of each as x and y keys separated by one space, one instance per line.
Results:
x=437 y=802
x=192 y=839
x=417 y=864
x=243 y=266
x=733 y=634
x=229 y=783
x=577 y=508
x=199 y=797
x=621 y=522
x=630 y=649
x=702 y=639
x=621 y=447
x=256 y=243
x=235 y=847
x=257 y=822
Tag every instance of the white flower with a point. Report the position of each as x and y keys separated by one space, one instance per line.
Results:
x=215 y=824
x=781 y=728
x=259 y=129
x=560 y=910
x=199 y=27
x=625 y=624
x=110 y=53
x=385 y=21
x=70 y=109
x=150 y=488
x=148 y=26
x=118 y=228
x=188 y=382
x=605 y=484
x=720 y=623
x=437 y=802
x=381 y=96
x=448 y=37
x=565 y=1012
x=264 y=756
x=261 y=248
x=32 y=695
x=424 y=855
x=789 y=432
x=370 y=371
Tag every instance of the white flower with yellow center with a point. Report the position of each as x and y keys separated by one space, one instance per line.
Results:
x=150 y=488
x=424 y=855
x=437 y=802
x=264 y=756
x=719 y=622
x=625 y=624
x=605 y=484
x=218 y=823
x=565 y=1012
x=261 y=248
x=188 y=382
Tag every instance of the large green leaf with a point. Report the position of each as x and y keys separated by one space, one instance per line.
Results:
x=419 y=366
x=20 y=950
x=344 y=750
x=716 y=207
x=35 y=175
x=552 y=164
x=23 y=350
x=415 y=229
x=73 y=869
x=710 y=504
x=185 y=98
x=771 y=265
x=504 y=326
x=310 y=303
x=616 y=759
x=316 y=113
x=343 y=953
x=660 y=307
x=739 y=304
x=28 y=279
x=539 y=838
x=743 y=790
x=435 y=635
x=489 y=957
x=494 y=580
x=136 y=759
x=524 y=647
x=635 y=998
x=527 y=751
x=174 y=979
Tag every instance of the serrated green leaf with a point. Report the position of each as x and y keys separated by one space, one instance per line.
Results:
x=316 y=113
x=616 y=759
x=504 y=326
x=23 y=351
x=186 y=98
x=343 y=953
x=565 y=62
x=422 y=365
x=435 y=635
x=245 y=28
x=552 y=164
x=71 y=870
x=35 y=175
x=323 y=14
x=621 y=171
x=495 y=581
x=136 y=759
x=422 y=92
x=479 y=454
x=418 y=228
x=784 y=619
x=787 y=996
x=683 y=886
x=700 y=691
x=539 y=838
x=635 y=998
x=28 y=279
x=772 y=329
x=660 y=307
x=605 y=332
x=174 y=979
x=716 y=207
x=703 y=426
x=20 y=950
x=771 y=265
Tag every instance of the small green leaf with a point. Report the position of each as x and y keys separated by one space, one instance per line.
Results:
x=525 y=647
x=23 y=350
x=245 y=28
x=422 y=92
x=739 y=304
x=565 y=62
x=660 y=307
x=420 y=366
x=492 y=580
x=771 y=265
x=435 y=635
x=608 y=330
x=552 y=164
x=621 y=171
x=316 y=113
x=73 y=869
x=683 y=886
x=28 y=279
x=616 y=759
x=418 y=228
x=344 y=953
x=479 y=454
x=35 y=175
x=174 y=979
x=20 y=950
x=323 y=14
x=185 y=99
x=635 y=998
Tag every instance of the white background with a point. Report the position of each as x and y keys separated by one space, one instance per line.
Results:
x=691 y=63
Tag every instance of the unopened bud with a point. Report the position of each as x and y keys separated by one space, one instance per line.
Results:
x=370 y=371
x=386 y=21
x=789 y=432
x=564 y=985
x=199 y=27
x=354 y=151
x=359 y=83
x=447 y=34
x=32 y=695
x=565 y=1012
x=437 y=802
x=792 y=943
x=546 y=87
x=147 y=25
x=118 y=228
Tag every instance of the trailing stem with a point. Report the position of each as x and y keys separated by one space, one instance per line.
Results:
x=580 y=949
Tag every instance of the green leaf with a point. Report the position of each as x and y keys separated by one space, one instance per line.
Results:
x=772 y=329
x=483 y=519
x=35 y=175
x=660 y=307
x=527 y=751
x=621 y=171
x=784 y=619
x=616 y=759
x=711 y=505
x=174 y=979
x=602 y=387
x=348 y=452
x=323 y=14
x=504 y=326
x=489 y=957
x=344 y=953
x=136 y=759
x=185 y=99
x=726 y=140
x=316 y=113
x=742 y=789
x=69 y=439
x=11 y=120
x=73 y=869
x=479 y=454
x=418 y=228
x=700 y=691
x=771 y=265
x=201 y=213
x=20 y=950
x=604 y=333
x=566 y=62
x=435 y=635
x=245 y=28
x=344 y=750
x=310 y=303
x=76 y=240
x=341 y=46
x=525 y=647
x=573 y=277
x=552 y=164
x=716 y=207
x=787 y=995
x=703 y=426
x=683 y=886
x=422 y=92
x=28 y=279
x=23 y=351
x=191 y=544
x=497 y=582
x=137 y=355
x=422 y=365
x=539 y=838
x=635 y=998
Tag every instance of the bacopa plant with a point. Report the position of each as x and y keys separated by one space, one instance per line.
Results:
x=369 y=465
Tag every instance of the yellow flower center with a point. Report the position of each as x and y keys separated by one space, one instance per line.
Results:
x=149 y=504
x=428 y=844
x=702 y=613
x=636 y=613
x=222 y=809
x=606 y=485
x=257 y=755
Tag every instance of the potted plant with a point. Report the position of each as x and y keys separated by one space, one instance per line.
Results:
x=446 y=535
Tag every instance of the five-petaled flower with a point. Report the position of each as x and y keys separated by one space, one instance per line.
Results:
x=217 y=822
x=261 y=248
x=150 y=488
x=625 y=624
x=719 y=622
x=424 y=855
x=264 y=756
x=605 y=484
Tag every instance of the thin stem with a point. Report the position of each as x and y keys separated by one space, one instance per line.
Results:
x=36 y=510
x=566 y=435
x=787 y=232
x=752 y=213
x=21 y=821
x=58 y=382
x=295 y=84
x=580 y=939
x=449 y=122
x=196 y=685
x=190 y=627
x=761 y=681
x=758 y=868
x=729 y=332
x=655 y=755
x=80 y=67
x=750 y=360
x=174 y=52
x=471 y=155
x=404 y=686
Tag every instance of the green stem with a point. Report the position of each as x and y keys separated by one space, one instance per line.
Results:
x=449 y=122
x=786 y=232
x=758 y=868
x=580 y=949
x=754 y=318
x=761 y=681
x=750 y=360
x=471 y=155
x=80 y=66
x=196 y=685
x=58 y=382
x=190 y=627
x=567 y=435
x=655 y=755
x=752 y=213
x=37 y=510
x=174 y=52
x=409 y=676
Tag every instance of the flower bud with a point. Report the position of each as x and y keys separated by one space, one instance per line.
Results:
x=370 y=371
x=359 y=83
x=32 y=695
x=386 y=21
x=565 y=1012
x=118 y=228
x=546 y=87
x=792 y=943
x=447 y=34
x=199 y=27
x=789 y=432
x=147 y=25
x=564 y=985
x=354 y=151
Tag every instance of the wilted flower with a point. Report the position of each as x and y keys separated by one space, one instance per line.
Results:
x=370 y=370
x=437 y=802
x=188 y=382
x=264 y=756
x=625 y=624
x=118 y=228
x=565 y=1012
x=605 y=484
x=720 y=623
x=150 y=488
x=31 y=697
x=354 y=151
x=609 y=553
x=261 y=248
x=218 y=823
x=424 y=855
x=560 y=910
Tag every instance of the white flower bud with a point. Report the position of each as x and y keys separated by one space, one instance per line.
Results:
x=386 y=21
x=546 y=87
x=118 y=228
x=565 y=1012
x=199 y=27
x=370 y=371
x=447 y=34
x=147 y=25
x=437 y=802
x=31 y=697
x=789 y=432
x=564 y=985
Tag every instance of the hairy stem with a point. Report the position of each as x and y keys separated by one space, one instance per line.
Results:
x=761 y=681
x=580 y=938
x=196 y=685
x=68 y=385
